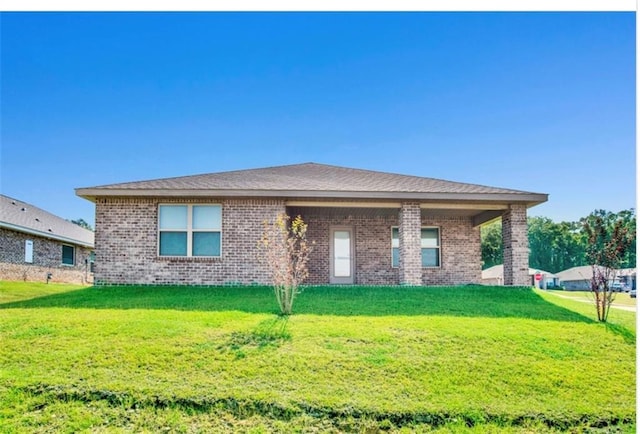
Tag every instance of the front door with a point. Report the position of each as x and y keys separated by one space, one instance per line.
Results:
x=342 y=257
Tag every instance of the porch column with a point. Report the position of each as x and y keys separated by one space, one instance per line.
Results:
x=515 y=246
x=410 y=250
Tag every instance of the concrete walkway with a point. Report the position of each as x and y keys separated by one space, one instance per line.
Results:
x=585 y=300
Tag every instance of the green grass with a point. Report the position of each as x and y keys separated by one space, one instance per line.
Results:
x=621 y=298
x=351 y=359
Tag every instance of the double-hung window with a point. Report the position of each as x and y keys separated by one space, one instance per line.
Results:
x=429 y=244
x=189 y=230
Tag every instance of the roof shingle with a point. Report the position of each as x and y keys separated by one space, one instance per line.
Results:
x=24 y=217
x=307 y=177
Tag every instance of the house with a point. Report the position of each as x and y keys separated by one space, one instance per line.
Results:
x=579 y=278
x=538 y=278
x=36 y=245
x=369 y=228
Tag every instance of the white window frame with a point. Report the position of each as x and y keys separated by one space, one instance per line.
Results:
x=28 y=251
x=73 y=249
x=189 y=230
x=439 y=247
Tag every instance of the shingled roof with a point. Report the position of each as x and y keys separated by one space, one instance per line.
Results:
x=23 y=217
x=312 y=180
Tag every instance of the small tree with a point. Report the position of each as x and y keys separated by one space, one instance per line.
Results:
x=284 y=249
x=608 y=241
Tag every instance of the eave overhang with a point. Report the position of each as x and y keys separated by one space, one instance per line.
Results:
x=42 y=234
x=530 y=199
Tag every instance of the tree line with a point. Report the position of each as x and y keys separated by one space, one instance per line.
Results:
x=555 y=246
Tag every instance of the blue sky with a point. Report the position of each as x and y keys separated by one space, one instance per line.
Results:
x=541 y=102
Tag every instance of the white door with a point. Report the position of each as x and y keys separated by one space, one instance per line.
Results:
x=342 y=258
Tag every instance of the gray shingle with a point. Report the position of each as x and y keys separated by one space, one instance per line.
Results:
x=310 y=177
x=24 y=217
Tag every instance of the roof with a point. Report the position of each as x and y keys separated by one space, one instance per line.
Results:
x=23 y=217
x=312 y=180
x=497 y=272
x=584 y=272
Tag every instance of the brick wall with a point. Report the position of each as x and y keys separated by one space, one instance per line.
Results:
x=47 y=258
x=372 y=237
x=127 y=239
x=460 y=248
x=515 y=250
x=410 y=250
x=460 y=253
x=126 y=245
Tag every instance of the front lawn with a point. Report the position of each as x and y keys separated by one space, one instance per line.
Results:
x=184 y=359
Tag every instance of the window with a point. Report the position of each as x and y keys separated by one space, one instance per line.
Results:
x=28 y=251
x=429 y=243
x=68 y=255
x=189 y=230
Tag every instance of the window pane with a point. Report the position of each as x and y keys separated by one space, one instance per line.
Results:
x=173 y=243
x=173 y=217
x=206 y=244
x=395 y=257
x=341 y=254
x=430 y=258
x=395 y=237
x=68 y=255
x=207 y=217
x=430 y=237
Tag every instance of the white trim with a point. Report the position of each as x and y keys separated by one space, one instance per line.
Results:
x=189 y=229
x=526 y=198
x=48 y=235
x=350 y=280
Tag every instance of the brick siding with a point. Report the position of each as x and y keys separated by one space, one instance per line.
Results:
x=127 y=243
x=460 y=248
x=515 y=243
x=47 y=258
x=127 y=234
x=410 y=251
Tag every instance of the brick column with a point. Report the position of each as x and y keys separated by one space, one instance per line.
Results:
x=410 y=249
x=515 y=246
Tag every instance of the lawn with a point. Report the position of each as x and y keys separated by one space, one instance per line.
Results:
x=351 y=359
x=621 y=298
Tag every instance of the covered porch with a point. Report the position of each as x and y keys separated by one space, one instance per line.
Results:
x=408 y=242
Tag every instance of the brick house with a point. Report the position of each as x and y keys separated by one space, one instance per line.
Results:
x=369 y=228
x=35 y=243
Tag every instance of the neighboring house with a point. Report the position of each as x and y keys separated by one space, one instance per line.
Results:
x=495 y=276
x=627 y=277
x=579 y=278
x=369 y=228
x=38 y=246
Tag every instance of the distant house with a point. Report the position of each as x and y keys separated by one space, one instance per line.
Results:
x=36 y=245
x=369 y=228
x=579 y=278
x=537 y=278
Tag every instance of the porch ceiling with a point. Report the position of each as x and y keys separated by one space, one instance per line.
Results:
x=479 y=216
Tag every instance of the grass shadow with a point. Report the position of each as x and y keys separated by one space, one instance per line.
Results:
x=627 y=335
x=463 y=301
x=268 y=334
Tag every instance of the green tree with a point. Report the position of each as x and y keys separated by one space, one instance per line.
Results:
x=491 y=244
x=82 y=223
x=609 y=238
